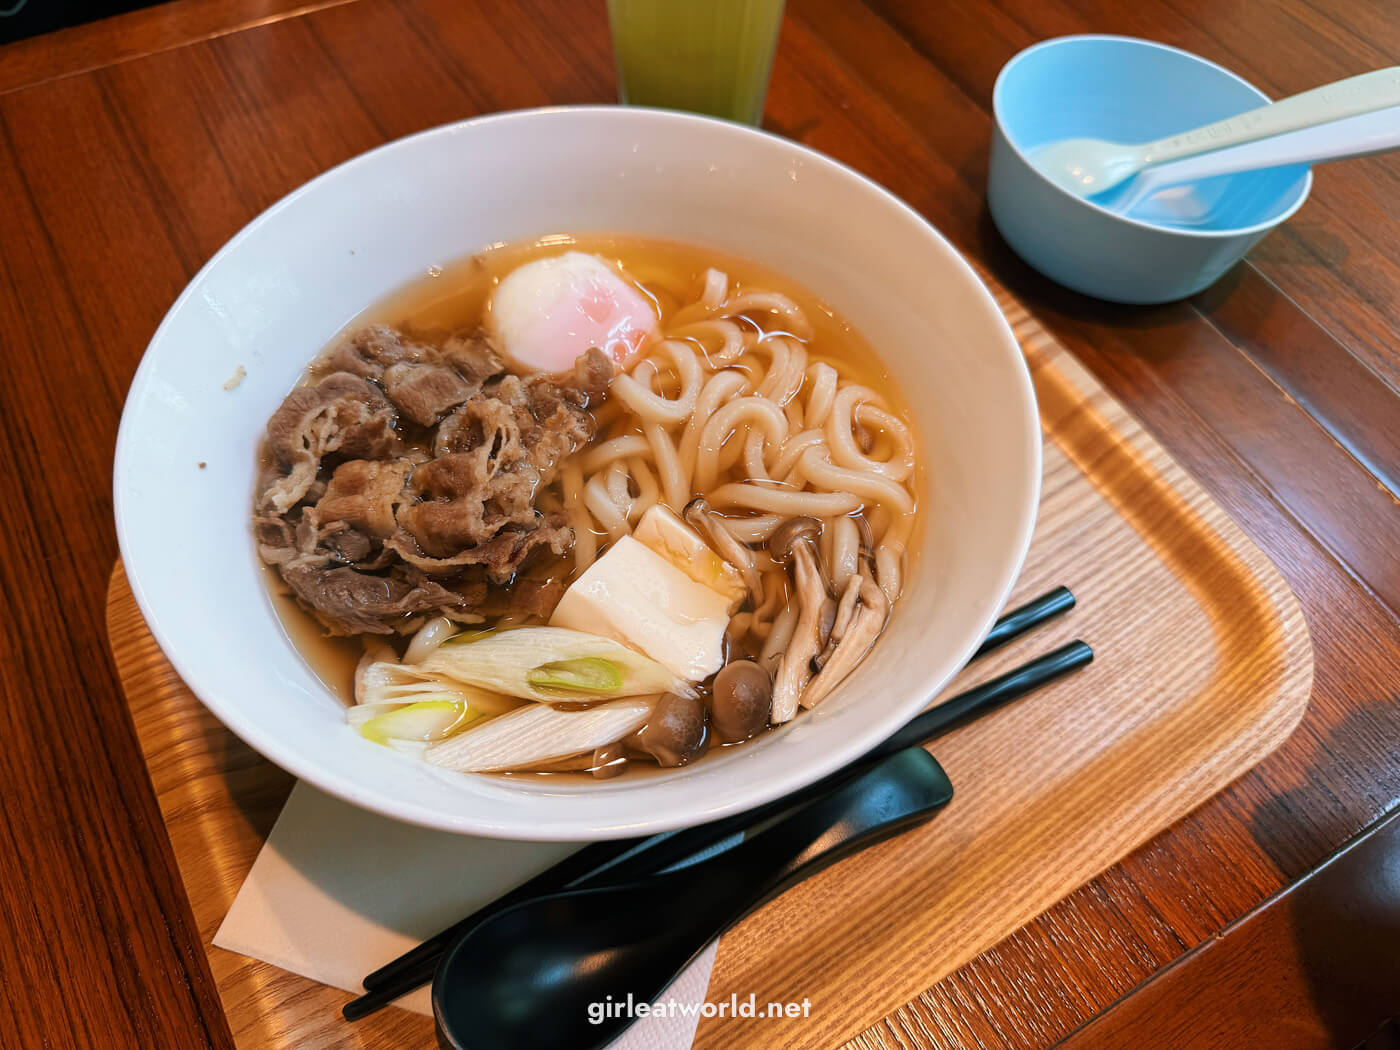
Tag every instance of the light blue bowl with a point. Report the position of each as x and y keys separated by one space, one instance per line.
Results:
x=1124 y=90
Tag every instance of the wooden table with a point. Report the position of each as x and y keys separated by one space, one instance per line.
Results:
x=131 y=149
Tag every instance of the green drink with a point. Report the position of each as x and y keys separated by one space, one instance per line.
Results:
x=707 y=56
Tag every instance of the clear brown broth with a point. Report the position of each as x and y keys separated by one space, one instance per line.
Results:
x=452 y=297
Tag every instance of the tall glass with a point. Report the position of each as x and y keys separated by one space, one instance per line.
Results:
x=707 y=56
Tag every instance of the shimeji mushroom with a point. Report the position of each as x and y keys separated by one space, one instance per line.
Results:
x=742 y=700
x=845 y=610
x=608 y=761
x=705 y=521
x=675 y=733
x=859 y=633
x=796 y=540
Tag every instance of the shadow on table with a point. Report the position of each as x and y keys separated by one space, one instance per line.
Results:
x=1339 y=927
x=1048 y=300
x=25 y=18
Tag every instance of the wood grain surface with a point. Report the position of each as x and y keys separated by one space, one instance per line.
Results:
x=130 y=150
x=138 y=33
x=219 y=799
x=1191 y=688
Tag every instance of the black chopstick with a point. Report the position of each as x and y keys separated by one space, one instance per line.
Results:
x=1018 y=621
x=415 y=967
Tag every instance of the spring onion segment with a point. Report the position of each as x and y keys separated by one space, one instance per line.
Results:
x=552 y=664
x=387 y=682
x=587 y=674
x=429 y=637
x=538 y=733
x=425 y=720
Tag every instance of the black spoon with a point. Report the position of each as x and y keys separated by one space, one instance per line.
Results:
x=528 y=975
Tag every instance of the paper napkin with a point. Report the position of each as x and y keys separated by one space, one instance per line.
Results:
x=337 y=891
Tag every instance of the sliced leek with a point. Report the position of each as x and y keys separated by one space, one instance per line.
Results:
x=425 y=720
x=473 y=634
x=538 y=733
x=386 y=682
x=587 y=674
x=429 y=637
x=552 y=664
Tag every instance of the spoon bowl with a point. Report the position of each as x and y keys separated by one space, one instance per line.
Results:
x=536 y=974
x=1090 y=166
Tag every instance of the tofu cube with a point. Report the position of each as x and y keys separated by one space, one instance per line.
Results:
x=635 y=596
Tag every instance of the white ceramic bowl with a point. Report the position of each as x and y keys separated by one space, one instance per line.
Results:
x=277 y=292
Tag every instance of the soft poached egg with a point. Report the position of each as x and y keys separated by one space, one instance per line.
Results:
x=547 y=313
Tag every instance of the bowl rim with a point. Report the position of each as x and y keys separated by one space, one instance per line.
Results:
x=1183 y=231
x=565 y=828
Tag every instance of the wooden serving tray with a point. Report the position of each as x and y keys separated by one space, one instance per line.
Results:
x=1203 y=667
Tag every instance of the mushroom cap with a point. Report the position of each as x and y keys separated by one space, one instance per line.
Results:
x=697 y=507
x=676 y=731
x=780 y=544
x=742 y=701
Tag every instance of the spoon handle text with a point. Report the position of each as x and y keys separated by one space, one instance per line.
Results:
x=1344 y=98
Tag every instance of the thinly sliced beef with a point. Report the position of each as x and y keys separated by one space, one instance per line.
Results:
x=357 y=516
x=372 y=439
x=473 y=357
x=494 y=454
x=351 y=602
x=342 y=412
x=276 y=539
x=559 y=435
x=466 y=500
x=444 y=528
x=501 y=556
x=591 y=375
x=457 y=475
x=523 y=596
x=559 y=404
x=526 y=597
x=365 y=494
x=423 y=392
x=349 y=545
x=485 y=424
x=368 y=352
